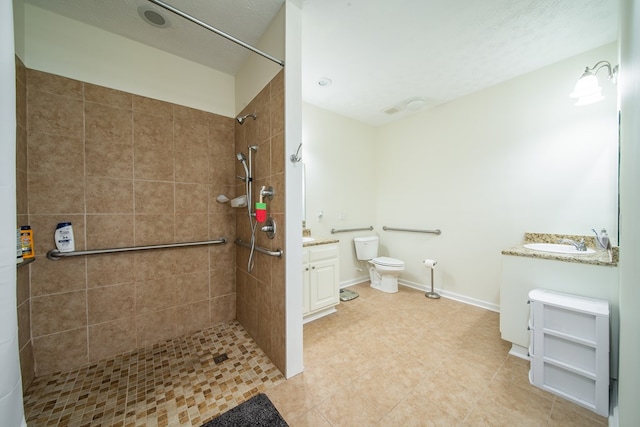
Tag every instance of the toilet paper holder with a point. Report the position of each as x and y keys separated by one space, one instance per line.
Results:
x=431 y=265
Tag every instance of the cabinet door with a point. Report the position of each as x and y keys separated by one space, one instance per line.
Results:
x=306 y=294
x=324 y=277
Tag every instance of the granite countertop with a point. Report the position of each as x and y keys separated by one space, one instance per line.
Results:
x=320 y=241
x=600 y=257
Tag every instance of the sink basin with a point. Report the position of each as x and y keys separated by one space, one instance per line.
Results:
x=308 y=239
x=557 y=248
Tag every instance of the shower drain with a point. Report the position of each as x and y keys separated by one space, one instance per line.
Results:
x=220 y=358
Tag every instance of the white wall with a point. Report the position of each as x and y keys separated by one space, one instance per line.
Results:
x=629 y=89
x=69 y=48
x=293 y=184
x=11 y=412
x=339 y=158
x=517 y=157
x=257 y=71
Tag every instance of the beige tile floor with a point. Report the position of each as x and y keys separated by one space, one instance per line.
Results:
x=381 y=360
x=173 y=383
x=405 y=360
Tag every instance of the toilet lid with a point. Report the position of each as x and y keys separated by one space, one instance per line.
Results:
x=390 y=262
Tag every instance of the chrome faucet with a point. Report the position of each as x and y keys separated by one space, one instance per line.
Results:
x=580 y=246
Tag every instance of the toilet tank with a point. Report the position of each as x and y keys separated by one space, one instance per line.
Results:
x=366 y=247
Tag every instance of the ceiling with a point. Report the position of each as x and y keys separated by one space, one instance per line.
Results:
x=379 y=54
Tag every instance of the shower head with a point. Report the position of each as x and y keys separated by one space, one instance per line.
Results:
x=241 y=119
x=241 y=157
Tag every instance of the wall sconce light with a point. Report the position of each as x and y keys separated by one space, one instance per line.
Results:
x=587 y=89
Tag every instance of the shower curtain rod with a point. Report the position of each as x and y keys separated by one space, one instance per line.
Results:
x=217 y=31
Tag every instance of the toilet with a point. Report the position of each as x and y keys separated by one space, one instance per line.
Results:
x=383 y=271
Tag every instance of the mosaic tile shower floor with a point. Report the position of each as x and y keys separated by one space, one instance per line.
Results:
x=174 y=383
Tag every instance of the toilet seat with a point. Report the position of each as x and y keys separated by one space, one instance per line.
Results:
x=387 y=262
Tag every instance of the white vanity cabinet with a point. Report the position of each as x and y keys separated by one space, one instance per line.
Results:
x=320 y=268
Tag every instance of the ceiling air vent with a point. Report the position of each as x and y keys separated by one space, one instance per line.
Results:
x=392 y=110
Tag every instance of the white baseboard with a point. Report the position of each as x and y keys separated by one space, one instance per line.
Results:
x=355 y=281
x=451 y=295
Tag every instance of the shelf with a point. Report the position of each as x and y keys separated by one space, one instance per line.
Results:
x=569 y=337
x=25 y=262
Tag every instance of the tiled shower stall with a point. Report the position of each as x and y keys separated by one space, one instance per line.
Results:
x=127 y=170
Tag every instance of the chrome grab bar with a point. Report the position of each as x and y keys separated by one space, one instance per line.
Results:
x=334 y=231
x=411 y=230
x=277 y=253
x=55 y=254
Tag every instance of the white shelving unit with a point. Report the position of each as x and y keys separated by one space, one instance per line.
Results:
x=569 y=347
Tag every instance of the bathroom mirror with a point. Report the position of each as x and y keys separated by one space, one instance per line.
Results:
x=304 y=196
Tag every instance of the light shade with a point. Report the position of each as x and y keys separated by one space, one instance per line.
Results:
x=587 y=89
x=587 y=85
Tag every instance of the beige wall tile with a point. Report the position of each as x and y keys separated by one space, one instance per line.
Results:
x=278 y=154
x=110 y=269
x=191 y=227
x=21 y=105
x=192 y=317
x=106 y=195
x=104 y=122
x=178 y=154
x=223 y=309
x=277 y=116
x=192 y=165
x=153 y=163
x=62 y=195
x=108 y=303
x=56 y=155
x=60 y=312
x=154 y=197
x=155 y=326
x=156 y=263
x=24 y=324
x=51 y=83
x=192 y=198
x=191 y=259
x=262 y=161
x=192 y=287
x=21 y=71
x=21 y=149
x=152 y=131
x=152 y=106
x=55 y=114
x=107 y=96
x=22 y=196
x=109 y=231
x=111 y=338
x=113 y=159
x=61 y=352
x=154 y=229
x=155 y=294
x=27 y=366
x=23 y=292
x=54 y=277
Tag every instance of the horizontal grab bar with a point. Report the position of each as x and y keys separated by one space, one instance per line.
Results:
x=333 y=230
x=411 y=230
x=55 y=254
x=278 y=252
